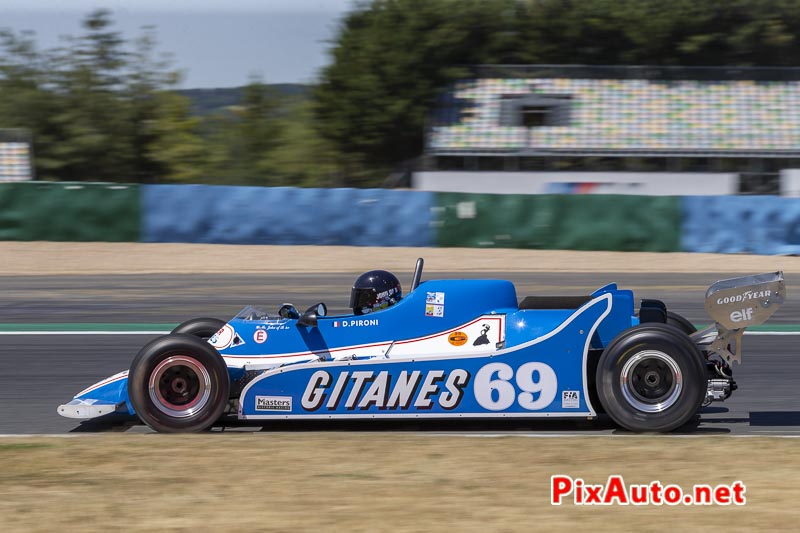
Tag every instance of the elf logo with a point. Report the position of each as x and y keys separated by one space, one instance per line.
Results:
x=744 y=314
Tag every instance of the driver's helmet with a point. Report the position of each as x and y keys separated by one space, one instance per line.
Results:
x=375 y=290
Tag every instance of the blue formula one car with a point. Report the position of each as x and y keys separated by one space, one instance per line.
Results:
x=448 y=349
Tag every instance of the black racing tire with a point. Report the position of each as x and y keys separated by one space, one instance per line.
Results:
x=178 y=383
x=651 y=378
x=205 y=328
x=674 y=319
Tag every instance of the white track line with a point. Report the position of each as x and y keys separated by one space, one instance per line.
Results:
x=771 y=333
x=701 y=435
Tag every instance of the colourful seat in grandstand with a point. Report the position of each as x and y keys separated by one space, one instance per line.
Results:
x=626 y=114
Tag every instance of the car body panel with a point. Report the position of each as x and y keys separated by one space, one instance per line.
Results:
x=542 y=377
x=452 y=324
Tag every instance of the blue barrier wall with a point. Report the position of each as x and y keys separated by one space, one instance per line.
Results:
x=286 y=215
x=741 y=224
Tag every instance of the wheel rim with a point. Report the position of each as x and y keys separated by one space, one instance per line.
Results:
x=180 y=386
x=651 y=381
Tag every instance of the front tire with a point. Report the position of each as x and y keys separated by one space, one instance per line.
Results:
x=205 y=328
x=651 y=378
x=178 y=383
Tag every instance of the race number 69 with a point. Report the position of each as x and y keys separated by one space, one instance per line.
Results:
x=494 y=390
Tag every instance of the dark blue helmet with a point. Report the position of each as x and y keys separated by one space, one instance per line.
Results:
x=375 y=290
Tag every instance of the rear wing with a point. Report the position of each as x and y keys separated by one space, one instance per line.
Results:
x=736 y=304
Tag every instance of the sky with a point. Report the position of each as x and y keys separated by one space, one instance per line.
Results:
x=214 y=43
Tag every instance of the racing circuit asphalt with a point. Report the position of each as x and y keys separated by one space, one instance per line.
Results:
x=40 y=371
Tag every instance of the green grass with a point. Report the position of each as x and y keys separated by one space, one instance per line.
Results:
x=353 y=481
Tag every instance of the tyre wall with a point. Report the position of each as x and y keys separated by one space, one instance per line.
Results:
x=574 y=222
x=42 y=211
x=286 y=215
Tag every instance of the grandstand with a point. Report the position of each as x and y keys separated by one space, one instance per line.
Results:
x=15 y=155
x=673 y=119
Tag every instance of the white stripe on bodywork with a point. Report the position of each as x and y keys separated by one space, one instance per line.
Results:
x=109 y=380
x=431 y=346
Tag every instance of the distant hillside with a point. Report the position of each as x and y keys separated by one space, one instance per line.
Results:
x=209 y=101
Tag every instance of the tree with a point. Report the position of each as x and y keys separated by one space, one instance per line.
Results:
x=159 y=119
x=651 y=32
x=244 y=138
x=390 y=61
x=303 y=157
x=97 y=108
x=174 y=150
x=96 y=138
x=25 y=101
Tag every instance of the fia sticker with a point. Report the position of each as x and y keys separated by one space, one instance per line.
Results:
x=436 y=298
x=570 y=399
x=260 y=336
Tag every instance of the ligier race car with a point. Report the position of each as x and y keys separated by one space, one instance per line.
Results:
x=448 y=349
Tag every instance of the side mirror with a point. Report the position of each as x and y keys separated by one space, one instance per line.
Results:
x=309 y=318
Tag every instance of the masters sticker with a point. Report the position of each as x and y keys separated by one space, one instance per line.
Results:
x=273 y=403
x=570 y=399
x=457 y=338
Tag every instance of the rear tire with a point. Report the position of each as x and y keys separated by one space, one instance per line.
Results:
x=178 y=383
x=651 y=378
x=205 y=328
x=674 y=319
